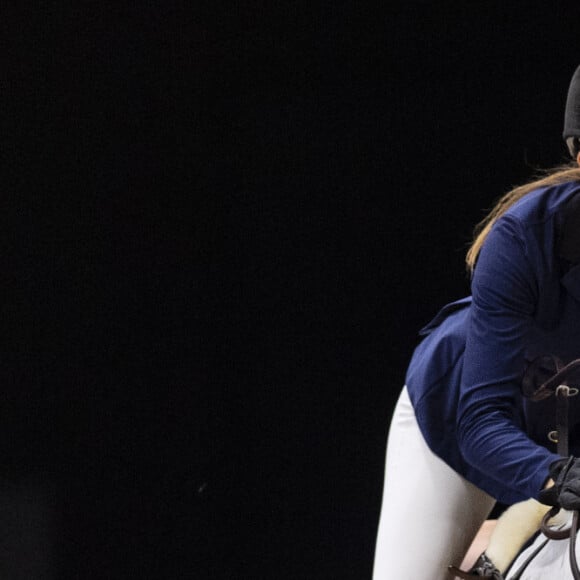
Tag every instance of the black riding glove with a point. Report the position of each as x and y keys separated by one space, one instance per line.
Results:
x=565 y=492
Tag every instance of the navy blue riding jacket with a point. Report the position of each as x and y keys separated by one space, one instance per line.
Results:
x=465 y=376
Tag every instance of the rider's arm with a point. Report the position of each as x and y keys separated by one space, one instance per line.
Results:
x=490 y=422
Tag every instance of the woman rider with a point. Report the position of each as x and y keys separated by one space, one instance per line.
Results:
x=462 y=435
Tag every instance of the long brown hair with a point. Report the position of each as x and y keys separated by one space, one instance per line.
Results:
x=554 y=176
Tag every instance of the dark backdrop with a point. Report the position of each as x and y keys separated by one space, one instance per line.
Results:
x=221 y=228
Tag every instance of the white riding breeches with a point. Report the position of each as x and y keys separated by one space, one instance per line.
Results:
x=430 y=514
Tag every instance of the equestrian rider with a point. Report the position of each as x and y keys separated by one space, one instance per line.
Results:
x=462 y=434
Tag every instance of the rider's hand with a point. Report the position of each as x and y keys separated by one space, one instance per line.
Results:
x=565 y=492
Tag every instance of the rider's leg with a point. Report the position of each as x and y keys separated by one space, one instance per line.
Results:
x=430 y=514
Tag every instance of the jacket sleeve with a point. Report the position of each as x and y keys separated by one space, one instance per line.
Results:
x=489 y=419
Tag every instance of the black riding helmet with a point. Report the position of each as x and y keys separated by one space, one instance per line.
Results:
x=572 y=116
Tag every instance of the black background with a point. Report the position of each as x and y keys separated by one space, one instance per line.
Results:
x=221 y=227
